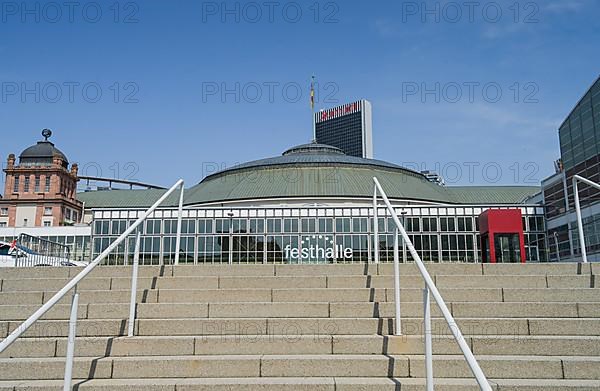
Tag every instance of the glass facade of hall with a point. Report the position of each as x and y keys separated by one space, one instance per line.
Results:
x=303 y=235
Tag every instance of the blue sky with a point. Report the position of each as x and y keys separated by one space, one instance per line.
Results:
x=135 y=89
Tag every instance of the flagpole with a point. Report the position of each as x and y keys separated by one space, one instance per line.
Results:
x=314 y=125
x=312 y=105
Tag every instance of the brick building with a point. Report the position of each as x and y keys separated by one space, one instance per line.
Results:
x=40 y=191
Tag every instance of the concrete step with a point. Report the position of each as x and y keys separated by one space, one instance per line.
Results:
x=215 y=295
x=480 y=345
x=551 y=295
x=329 y=294
x=224 y=270
x=553 y=326
x=295 y=344
x=536 y=345
x=14 y=298
x=537 y=268
x=70 y=272
x=59 y=328
x=206 y=366
x=12 y=273
x=298 y=270
x=545 y=385
x=588 y=310
x=190 y=384
x=302 y=384
x=306 y=282
x=52 y=284
x=516 y=281
x=498 y=367
x=228 y=345
x=519 y=310
x=306 y=365
x=123 y=296
x=305 y=310
x=383 y=326
x=368 y=295
x=342 y=326
x=470 y=309
x=241 y=282
x=212 y=310
x=541 y=295
x=58 y=312
x=50 y=368
x=467 y=281
x=311 y=326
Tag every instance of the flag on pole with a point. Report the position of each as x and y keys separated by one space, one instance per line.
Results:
x=312 y=93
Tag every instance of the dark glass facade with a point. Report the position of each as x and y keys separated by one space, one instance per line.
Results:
x=344 y=132
x=346 y=127
x=580 y=146
x=579 y=137
x=580 y=132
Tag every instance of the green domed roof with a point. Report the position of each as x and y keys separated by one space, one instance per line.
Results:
x=313 y=170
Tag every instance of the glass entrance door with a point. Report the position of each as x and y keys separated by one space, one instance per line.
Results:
x=508 y=249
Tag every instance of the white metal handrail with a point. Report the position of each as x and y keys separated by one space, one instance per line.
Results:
x=577 y=178
x=430 y=289
x=72 y=285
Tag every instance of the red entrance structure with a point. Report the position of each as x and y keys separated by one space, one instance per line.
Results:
x=502 y=239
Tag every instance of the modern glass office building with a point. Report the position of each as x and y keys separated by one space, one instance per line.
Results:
x=348 y=127
x=579 y=136
x=313 y=204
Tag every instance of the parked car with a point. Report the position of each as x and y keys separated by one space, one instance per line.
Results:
x=14 y=254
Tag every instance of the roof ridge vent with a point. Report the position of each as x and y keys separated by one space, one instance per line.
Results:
x=314 y=148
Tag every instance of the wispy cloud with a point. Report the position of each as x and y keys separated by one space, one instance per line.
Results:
x=386 y=28
x=502 y=119
x=497 y=31
x=565 y=6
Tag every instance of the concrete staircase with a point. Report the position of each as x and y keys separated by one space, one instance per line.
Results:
x=308 y=327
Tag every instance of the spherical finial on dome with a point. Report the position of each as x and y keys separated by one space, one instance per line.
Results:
x=46 y=133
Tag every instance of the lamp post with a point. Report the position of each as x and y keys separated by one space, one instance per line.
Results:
x=230 y=215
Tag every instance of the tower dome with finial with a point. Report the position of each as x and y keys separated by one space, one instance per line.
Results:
x=42 y=153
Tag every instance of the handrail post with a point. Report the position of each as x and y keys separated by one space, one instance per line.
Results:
x=397 y=284
x=71 y=342
x=179 y=220
x=579 y=221
x=134 y=279
x=428 y=342
x=403 y=241
x=375 y=227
